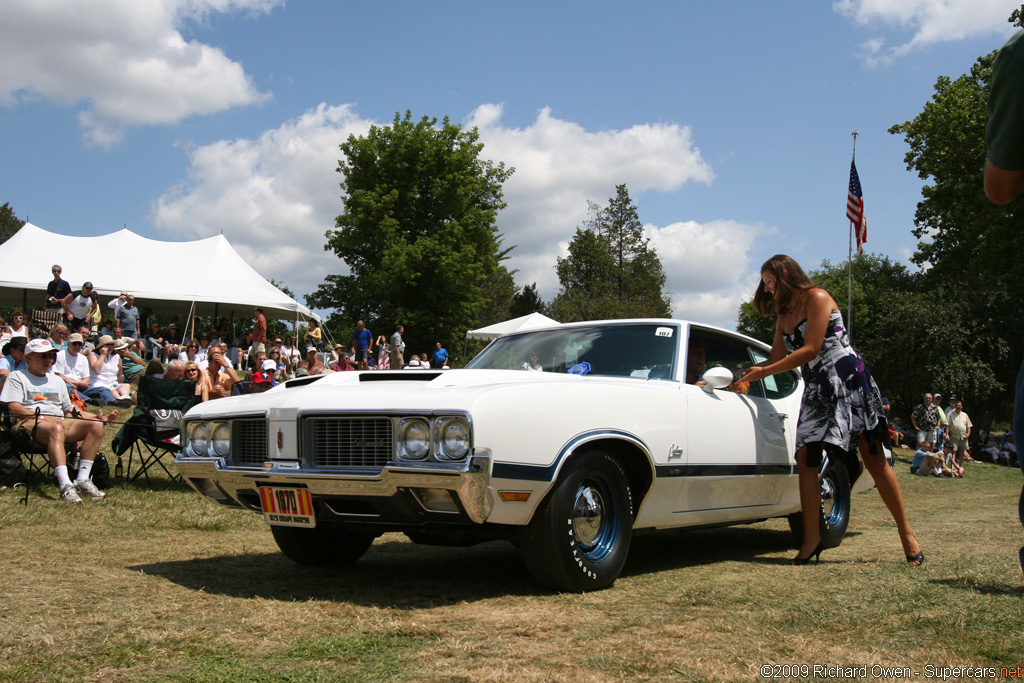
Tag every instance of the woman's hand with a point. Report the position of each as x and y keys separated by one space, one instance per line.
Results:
x=753 y=374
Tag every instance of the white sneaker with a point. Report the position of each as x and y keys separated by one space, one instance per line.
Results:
x=89 y=489
x=70 y=494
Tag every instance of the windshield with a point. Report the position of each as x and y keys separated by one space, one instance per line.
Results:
x=644 y=350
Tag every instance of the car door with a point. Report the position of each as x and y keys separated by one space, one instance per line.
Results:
x=739 y=438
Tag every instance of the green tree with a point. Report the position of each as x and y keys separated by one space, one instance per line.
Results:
x=968 y=244
x=526 y=301
x=611 y=271
x=418 y=231
x=9 y=223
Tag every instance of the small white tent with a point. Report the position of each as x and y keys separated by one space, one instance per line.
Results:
x=168 y=277
x=526 y=322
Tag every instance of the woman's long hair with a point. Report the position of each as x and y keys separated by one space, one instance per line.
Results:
x=790 y=278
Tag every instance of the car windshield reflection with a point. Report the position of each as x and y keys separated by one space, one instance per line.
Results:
x=644 y=351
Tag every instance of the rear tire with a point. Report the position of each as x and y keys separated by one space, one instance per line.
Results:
x=835 y=508
x=579 y=537
x=324 y=545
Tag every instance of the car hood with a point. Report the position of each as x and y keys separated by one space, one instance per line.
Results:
x=401 y=390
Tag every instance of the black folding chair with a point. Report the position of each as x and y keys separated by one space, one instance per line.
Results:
x=34 y=455
x=157 y=418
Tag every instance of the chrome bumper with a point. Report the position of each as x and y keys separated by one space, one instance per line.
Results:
x=468 y=483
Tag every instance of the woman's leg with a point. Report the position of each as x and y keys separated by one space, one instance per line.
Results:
x=810 y=503
x=889 y=489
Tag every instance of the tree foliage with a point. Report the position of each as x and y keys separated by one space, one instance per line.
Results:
x=9 y=223
x=969 y=246
x=611 y=270
x=526 y=301
x=418 y=231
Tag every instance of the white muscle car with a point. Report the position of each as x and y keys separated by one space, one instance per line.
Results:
x=566 y=440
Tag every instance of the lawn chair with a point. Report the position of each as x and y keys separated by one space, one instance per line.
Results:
x=157 y=418
x=34 y=456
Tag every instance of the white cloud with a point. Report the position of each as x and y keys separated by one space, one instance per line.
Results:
x=275 y=196
x=707 y=267
x=932 y=21
x=124 y=61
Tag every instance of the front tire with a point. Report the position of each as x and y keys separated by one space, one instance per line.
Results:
x=579 y=537
x=835 y=507
x=324 y=545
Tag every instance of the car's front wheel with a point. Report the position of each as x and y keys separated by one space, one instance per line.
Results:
x=324 y=545
x=835 y=507
x=579 y=537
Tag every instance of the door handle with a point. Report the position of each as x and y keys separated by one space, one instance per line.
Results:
x=781 y=416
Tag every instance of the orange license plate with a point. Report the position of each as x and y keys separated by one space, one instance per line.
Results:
x=287 y=506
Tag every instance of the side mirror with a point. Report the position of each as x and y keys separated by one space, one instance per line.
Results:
x=717 y=378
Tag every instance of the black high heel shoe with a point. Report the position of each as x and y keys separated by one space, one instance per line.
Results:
x=816 y=554
x=916 y=560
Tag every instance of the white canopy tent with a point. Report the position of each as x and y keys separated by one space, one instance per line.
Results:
x=168 y=277
x=526 y=322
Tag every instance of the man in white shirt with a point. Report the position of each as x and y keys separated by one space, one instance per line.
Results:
x=38 y=402
x=72 y=365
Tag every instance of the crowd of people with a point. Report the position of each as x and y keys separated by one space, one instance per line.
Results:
x=944 y=439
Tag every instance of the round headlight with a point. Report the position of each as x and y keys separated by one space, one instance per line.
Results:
x=414 y=437
x=200 y=438
x=455 y=439
x=221 y=439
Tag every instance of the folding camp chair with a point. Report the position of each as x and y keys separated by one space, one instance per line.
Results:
x=161 y=403
x=34 y=455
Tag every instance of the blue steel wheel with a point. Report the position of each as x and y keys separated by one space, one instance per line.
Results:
x=579 y=537
x=835 y=507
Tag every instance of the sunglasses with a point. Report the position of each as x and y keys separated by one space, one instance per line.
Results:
x=57 y=270
x=77 y=343
x=18 y=317
x=191 y=369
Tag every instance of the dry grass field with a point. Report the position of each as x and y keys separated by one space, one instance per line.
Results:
x=165 y=586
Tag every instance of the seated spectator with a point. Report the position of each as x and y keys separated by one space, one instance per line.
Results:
x=172 y=342
x=14 y=357
x=203 y=352
x=175 y=370
x=898 y=434
x=132 y=363
x=344 y=363
x=313 y=364
x=72 y=365
x=282 y=361
x=17 y=327
x=58 y=336
x=289 y=351
x=335 y=354
x=1008 y=450
x=926 y=463
x=220 y=375
x=155 y=339
x=106 y=377
x=270 y=370
x=302 y=369
x=260 y=383
x=424 y=363
x=192 y=372
x=414 y=362
x=80 y=305
x=949 y=458
x=36 y=388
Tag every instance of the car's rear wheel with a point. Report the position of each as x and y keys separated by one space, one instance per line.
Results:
x=579 y=537
x=324 y=545
x=835 y=507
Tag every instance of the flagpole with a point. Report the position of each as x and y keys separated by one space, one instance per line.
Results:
x=849 y=262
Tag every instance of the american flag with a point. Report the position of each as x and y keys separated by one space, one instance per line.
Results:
x=855 y=209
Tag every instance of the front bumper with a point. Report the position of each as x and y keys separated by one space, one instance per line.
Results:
x=396 y=495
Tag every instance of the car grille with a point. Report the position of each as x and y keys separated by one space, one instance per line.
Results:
x=249 y=441
x=363 y=443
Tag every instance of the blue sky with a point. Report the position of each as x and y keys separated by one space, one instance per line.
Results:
x=730 y=122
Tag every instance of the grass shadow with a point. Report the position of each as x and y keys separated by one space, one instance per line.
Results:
x=982 y=587
x=658 y=552
x=394 y=574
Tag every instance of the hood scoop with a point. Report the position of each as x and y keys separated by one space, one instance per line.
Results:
x=398 y=376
